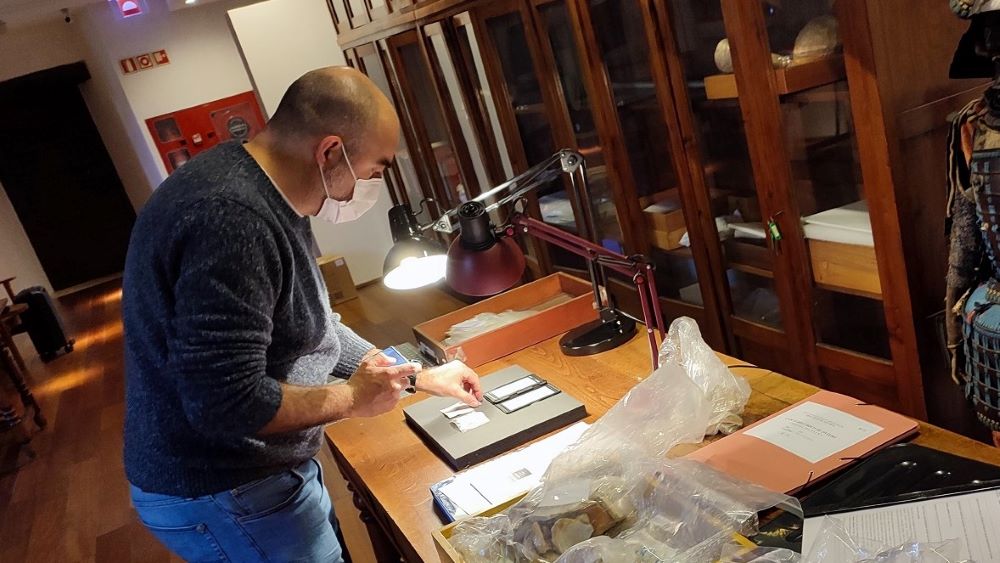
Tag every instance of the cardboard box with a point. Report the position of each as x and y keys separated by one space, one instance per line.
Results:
x=721 y=87
x=337 y=276
x=562 y=302
x=442 y=537
x=665 y=221
x=846 y=267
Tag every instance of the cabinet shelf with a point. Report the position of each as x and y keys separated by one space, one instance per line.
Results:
x=795 y=78
x=530 y=109
x=681 y=252
x=752 y=270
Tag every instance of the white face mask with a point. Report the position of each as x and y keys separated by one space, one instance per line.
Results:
x=365 y=195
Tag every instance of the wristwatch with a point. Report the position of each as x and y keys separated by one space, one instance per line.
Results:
x=412 y=387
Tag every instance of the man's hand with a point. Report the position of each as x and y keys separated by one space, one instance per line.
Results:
x=376 y=385
x=453 y=379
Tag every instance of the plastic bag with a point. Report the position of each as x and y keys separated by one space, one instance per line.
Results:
x=726 y=392
x=483 y=323
x=834 y=544
x=613 y=495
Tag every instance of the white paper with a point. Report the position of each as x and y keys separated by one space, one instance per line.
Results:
x=528 y=398
x=456 y=410
x=973 y=518
x=466 y=498
x=470 y=421
x=513 y=387
x=813 y=431
x=503 y=478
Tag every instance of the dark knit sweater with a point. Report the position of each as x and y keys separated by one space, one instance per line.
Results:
x=222 y=301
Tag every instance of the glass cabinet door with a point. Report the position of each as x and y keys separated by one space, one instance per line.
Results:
x=472 y=57
x=403 y=171
x=556 y=29
x=357 y=11
x=508 y=43
x=341 y=20
x=826 y=182
x=725 y=169
x=508 y=64
x=455 y=90
x=417 y=84
x=378 y=9
x=624 y=49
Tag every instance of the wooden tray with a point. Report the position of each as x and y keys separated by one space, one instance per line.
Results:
x=563 y=302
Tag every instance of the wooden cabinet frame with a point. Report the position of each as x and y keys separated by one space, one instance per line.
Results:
x=763 y=117
x=892 y=100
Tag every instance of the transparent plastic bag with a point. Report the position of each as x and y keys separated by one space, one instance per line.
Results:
x=835 y=544
x=483 y=323
x=616 y=482
x=726 y=392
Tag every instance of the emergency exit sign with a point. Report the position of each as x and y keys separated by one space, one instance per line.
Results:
x=129 y=8
x=144 y=61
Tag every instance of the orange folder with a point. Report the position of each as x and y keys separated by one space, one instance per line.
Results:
x=802 y=443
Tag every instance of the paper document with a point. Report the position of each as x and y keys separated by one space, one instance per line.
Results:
x=973 y=518
x=470 y=421
x=813 y=431
x=501 y=479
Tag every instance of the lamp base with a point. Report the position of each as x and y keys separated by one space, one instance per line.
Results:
x=610 y=331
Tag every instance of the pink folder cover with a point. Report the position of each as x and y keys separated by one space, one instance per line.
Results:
x=758 y=461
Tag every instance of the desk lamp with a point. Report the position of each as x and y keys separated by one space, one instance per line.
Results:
x=485 y=260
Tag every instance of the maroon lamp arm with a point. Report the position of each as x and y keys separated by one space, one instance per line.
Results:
x=641 y=272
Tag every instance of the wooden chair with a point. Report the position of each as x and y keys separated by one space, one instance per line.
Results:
x=10 y=322
x=11 y=361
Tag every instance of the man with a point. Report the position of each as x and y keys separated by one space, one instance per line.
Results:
x=230 y=340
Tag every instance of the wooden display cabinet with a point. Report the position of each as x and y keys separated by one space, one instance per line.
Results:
x=730 y=178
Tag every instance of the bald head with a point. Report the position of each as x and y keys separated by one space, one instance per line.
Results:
x=332 y=100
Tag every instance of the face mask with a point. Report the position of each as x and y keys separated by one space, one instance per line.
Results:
x=365 y=195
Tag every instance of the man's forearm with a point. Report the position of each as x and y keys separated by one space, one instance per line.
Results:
x=306 y=407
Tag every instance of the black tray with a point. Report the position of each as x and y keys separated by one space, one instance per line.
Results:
x=900 y=473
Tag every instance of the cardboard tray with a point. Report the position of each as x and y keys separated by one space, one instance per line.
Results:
x=442 y=537
x=563 y=302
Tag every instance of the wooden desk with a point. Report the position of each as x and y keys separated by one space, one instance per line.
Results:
x=389 y=469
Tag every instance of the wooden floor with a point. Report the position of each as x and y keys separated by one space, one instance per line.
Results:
x=70 y=503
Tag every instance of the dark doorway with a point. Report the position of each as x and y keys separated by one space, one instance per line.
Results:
x=59 y=177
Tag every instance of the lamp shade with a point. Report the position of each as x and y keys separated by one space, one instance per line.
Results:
x=484 y=272
x=413 y=261
x=479 y=262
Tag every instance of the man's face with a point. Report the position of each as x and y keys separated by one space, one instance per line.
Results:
x=369 y=156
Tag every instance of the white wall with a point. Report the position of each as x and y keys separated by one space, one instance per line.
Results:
x=205 y=64
x=280 y=41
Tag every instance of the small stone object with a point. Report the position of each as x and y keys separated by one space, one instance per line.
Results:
x=724 y=58
x=818 y=39
x=567 y=532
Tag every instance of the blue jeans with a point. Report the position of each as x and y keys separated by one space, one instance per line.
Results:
x=285 y=517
